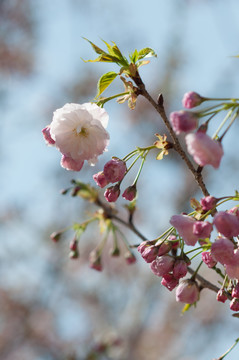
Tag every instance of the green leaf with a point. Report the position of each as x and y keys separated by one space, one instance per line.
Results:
x=146 y=52
x=186 y=308
x=104 y=58
x=105 y=81
x=95 y=47
x=134 y=56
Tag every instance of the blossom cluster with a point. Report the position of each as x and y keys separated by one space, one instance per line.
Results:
x=114 y=172
x=203 y=149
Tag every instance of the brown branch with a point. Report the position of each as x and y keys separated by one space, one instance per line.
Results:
x=159 y=107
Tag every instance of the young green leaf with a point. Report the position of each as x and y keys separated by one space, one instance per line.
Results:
x=105 y=81
x=146 y=52
x=95 y=47
x=134 y=57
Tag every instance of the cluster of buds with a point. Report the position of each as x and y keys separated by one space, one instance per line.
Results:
x=204 y=149
x=170 y=267
x=114 y=172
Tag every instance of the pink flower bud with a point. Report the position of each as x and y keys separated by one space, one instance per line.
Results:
x=47 y=136
x=130 y=258
x=130 y=193
x=208 y=203
x=227 y=224
x=112 y=193
x=115 y=170
x=232 y=268
x=74 y=245
x=234 y=211
x=174 y=244
x=235 y=291
x=221 y=295
x=169 y=281
x=222 y=250
x=100 y=179
x=191 y=99
x=234 y=304
x=205 y=151
x=150 y=253
x=163 y=247
x=183 y=121
x=208 y=259
x=184 y=225
x=180 y=269
x=70 y=164
x=187 y=292
x=143 y=246
x=95 y=260
x=56 y=235
x=202 y=229
x=162 y=265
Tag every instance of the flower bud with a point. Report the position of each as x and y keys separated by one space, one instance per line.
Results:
x=222 y=250
x=115 y=170
x=180 y=269
x=112 y=193
x=95 y=260
x=169 y=281
x=202 y=229
x=208 y=203
x=191 y=99
x=130 y=193
x=150 y=253
x=183 y=121
x=100 y=179
x=162 y=265
x=130 y=258
x=163 y=247
x=187 y=292
x=234 y=304
x=56 y=235
x=226 y=223
x=204 y=150
x=221 y=295
x=208 y=259
x=235 y=291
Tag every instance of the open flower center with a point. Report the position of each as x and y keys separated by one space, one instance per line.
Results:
x=80 y=131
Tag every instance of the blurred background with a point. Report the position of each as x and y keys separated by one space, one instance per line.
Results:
x=55 y=308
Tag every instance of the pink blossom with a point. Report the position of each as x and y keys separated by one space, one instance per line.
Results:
x=162 y=265
x=184 y=225
x=112 y=193
x=202 y=229
x=79 y=133
x=227 y=224
x=169 y=281
x=208 y=202
x=232 y=267
x=234 y=304
x=180 y=269
x=187 y=292
x=47 y=135
x=130 y=193
x=221 y=295
x=205 y=151
x=115 y=170
x=191 y=99
x=183 y=121
x=222 y=250
x=208 y=259
x=100 y=179
x=235 y=291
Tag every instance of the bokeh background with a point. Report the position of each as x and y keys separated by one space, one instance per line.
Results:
x=54 y=308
